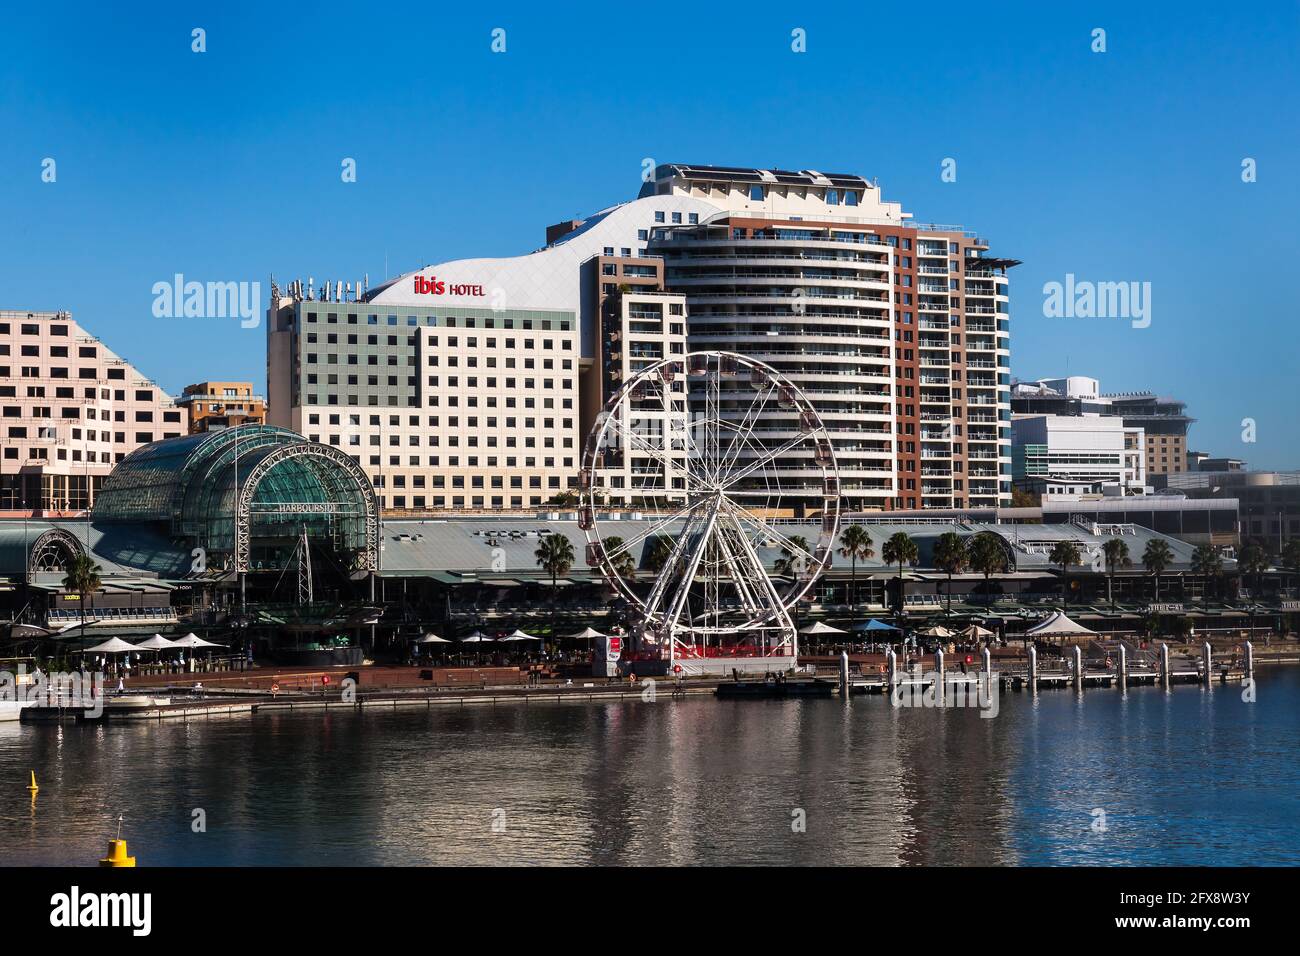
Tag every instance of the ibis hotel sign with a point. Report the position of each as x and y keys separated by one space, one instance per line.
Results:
x=432 y=285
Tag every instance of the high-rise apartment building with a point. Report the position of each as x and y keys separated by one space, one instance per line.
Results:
x=71 y=409
x=896 y=332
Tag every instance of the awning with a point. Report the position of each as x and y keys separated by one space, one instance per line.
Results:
x=874 y=625
x=114 y=645
x=1058 y=625
x=820 y=627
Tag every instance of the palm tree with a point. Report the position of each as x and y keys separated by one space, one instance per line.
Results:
x=950 y=556
x=900 y=549
x=82 y=576
x=1065 y=553
x=1156 y=557
x=1115 y=552
x=623 y=563
x=554 y=555
x=1253 y=560
x=658 y=553
x=986 y=556
x=856 y=545
x=1207 y=563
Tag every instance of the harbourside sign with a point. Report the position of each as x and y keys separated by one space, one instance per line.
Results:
x=432 y=285
x=302 y=508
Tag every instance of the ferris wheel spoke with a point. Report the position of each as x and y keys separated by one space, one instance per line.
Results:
x=734 y=552
x=766 y=530
x=658 y=526
x=637 y=442
x=740 y=437
x=681 y=599
x=770 y=455
x=659 y=593
x=752 y=565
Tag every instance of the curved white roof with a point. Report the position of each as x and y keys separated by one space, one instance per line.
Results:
x=548 y=278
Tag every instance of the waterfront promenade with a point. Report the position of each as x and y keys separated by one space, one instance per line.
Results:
x=267 y=689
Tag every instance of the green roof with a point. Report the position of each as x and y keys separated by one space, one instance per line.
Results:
x=192 y=487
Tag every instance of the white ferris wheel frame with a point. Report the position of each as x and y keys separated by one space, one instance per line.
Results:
x=708 y=513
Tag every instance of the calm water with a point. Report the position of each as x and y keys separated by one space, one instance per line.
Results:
x=1185 y=777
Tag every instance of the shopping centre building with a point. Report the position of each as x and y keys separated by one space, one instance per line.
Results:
x=472 y=384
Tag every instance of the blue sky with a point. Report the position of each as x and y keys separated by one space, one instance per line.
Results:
x=1115 y=166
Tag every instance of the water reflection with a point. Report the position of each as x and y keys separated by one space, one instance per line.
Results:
x=1192 y=775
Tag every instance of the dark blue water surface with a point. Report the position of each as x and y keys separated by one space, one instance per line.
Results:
x=1188 y=776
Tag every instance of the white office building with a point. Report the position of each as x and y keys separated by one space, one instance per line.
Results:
x=1077 y=454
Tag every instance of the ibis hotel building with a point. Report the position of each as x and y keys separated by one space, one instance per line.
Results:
x=471 y=384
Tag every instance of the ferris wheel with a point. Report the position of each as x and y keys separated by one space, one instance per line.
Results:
x=735 y=478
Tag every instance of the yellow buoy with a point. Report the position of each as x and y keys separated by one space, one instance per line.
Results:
x=117 y=855
x=32 y=786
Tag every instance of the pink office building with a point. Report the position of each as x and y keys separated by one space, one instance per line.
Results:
x=70 y=409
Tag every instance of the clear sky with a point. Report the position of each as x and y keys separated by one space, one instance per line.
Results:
x=225 y=166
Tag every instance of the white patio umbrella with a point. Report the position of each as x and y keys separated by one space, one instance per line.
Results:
x=820 y=627
x=193 y=640
x=432 y=638
x=156 y=643
x=586 y=634
x=937 y=630
x=519 y=636
x=113 y=645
